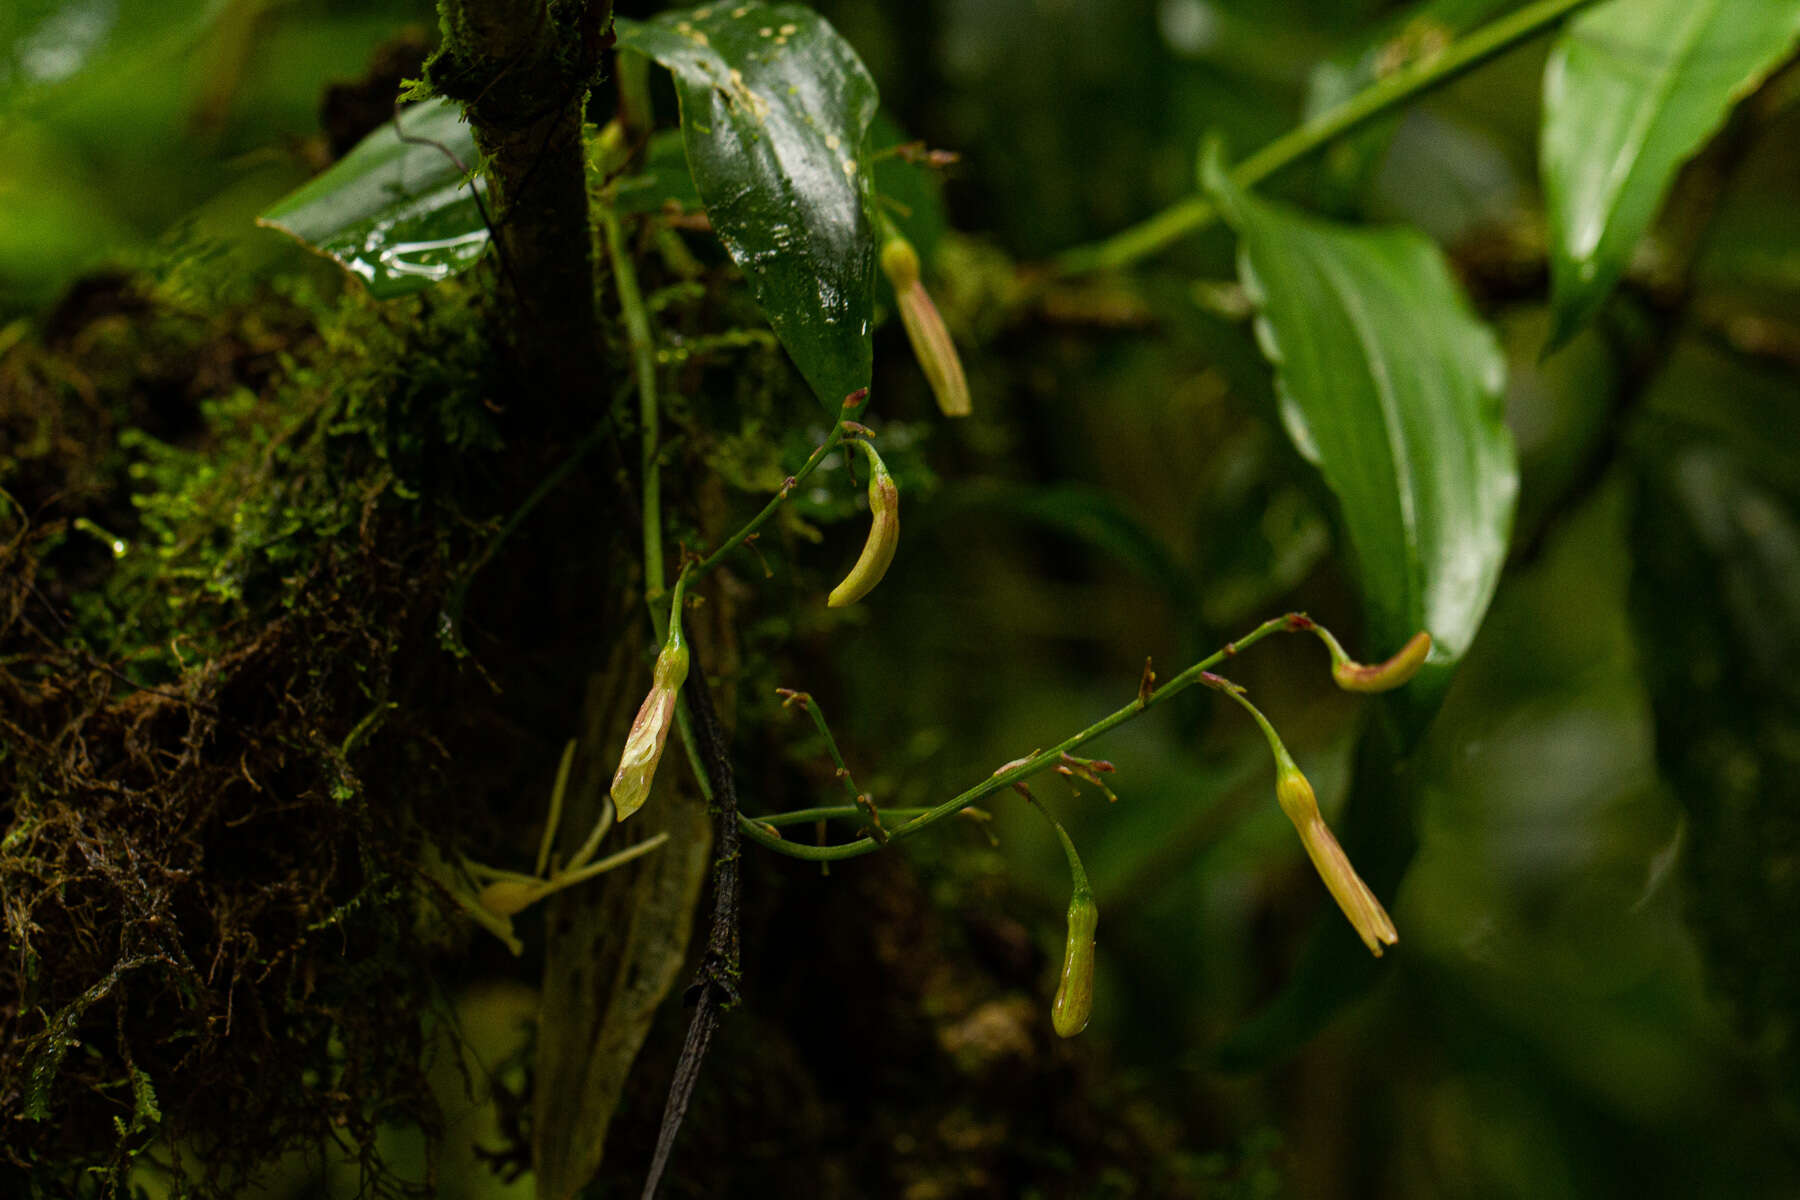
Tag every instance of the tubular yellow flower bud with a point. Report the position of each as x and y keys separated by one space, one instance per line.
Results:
x=1353 y=676
x=1074 y=1001
x=884 y=535
x=1366 y=914
x=931 y=341
x=1383 y=677
x=644 y=744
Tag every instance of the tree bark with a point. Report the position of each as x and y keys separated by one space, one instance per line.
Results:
x=523 y=69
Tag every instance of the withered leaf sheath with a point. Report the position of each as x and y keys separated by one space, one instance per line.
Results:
x=884 y=535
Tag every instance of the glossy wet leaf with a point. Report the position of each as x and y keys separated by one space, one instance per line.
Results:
x=775 y=109
x=1632 y=89
x=1389 y=384
x=399 y=215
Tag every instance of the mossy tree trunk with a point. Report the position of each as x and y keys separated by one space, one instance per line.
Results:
x=523 y=69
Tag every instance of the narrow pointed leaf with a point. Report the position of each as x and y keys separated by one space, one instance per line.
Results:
x=1632 y=89
x=398 y=214
x=1388 y=384
x=775 y=110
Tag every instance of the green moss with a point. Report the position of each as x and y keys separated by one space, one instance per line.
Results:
x=225 y=530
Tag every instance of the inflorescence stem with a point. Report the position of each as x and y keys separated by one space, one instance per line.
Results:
x=753 y=827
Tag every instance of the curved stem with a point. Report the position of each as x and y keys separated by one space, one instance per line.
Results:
x=852 y=403
x=1194 y=213
x=1040 y=761
x=833 y=812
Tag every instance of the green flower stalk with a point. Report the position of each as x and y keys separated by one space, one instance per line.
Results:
x=650 y=730
x=931 y=342
x=1295 y=795
x=884 y=535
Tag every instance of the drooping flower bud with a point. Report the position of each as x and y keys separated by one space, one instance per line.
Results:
x=644 y=744
x=1074 y=1001
x=884 y=535
x=1295 y=795
x=1366 y=914
x=931 y=342
x=1353 y=676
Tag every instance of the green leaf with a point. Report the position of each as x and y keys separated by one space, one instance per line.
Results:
x=398 y=214
x=1632 y=89
x=1388 y=383
x=775 y=109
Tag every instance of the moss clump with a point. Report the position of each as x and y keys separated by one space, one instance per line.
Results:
x=220 y=534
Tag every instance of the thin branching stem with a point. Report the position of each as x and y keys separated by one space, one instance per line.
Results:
x=1042 y=760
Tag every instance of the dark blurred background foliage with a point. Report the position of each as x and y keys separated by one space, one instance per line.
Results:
x=1595 y=990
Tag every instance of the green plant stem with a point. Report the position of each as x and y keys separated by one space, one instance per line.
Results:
x=818 y=720
x=1194 y=213
x=1078 y=879
x=1040 y=761
x=787 y=489
x=643 y=364
x=643 y=354
x=1283 y=760
x=839 y=812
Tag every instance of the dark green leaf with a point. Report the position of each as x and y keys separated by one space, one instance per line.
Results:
x=1392 y=388
x=1632 y=89
x=775 y=109
x=399 y=214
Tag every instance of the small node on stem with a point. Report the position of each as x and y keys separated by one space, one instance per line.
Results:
x=1146 y=685
x=866 y=802
x=1089 y=769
